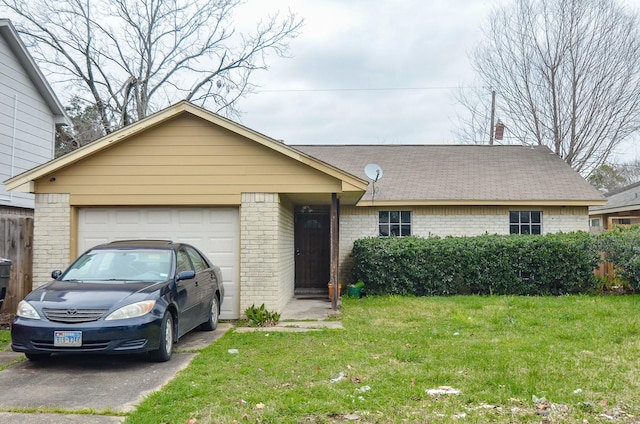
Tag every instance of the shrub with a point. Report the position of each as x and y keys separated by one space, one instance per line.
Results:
x=621 y=246
x=261 y=317
x=490 y=264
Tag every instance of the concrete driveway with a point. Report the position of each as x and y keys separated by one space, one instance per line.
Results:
x=100 y=383
x=119 y=383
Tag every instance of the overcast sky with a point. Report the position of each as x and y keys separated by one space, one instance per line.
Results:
x=367 y=71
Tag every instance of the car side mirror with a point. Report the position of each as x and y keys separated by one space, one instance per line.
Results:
x=56 y=274
x=186 y=275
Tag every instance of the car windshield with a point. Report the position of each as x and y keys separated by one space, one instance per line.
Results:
x=131 y=265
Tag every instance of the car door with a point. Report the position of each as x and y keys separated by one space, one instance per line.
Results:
x=187 y=298
x=205 y=288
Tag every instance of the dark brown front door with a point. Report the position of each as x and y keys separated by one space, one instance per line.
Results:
x=312 y=234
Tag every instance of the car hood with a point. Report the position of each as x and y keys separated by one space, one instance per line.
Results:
x=83 y=295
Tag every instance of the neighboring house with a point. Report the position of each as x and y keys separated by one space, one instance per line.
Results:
x=281 y=220
x=622 y=208
x=29 y=112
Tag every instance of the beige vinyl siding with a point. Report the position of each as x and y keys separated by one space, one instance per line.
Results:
x=187 y=161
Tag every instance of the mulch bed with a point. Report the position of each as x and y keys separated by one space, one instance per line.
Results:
x=5 y=321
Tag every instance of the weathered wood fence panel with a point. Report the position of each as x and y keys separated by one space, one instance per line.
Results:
x=16 y=239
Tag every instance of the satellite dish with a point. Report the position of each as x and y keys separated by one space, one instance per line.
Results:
x=373 y=171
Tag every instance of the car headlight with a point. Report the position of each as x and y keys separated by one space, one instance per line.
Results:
x=25 y=310
x=132 y=311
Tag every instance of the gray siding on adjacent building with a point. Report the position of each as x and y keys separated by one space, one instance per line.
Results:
x=27 y=124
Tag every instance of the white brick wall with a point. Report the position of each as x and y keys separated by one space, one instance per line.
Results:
x=266 y=251
x=51 y=236
x=286 y=240
x=360 y=222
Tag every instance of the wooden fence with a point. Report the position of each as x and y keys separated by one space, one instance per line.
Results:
x=16 y=239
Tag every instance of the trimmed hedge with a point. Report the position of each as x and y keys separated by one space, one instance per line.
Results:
x=552 y=264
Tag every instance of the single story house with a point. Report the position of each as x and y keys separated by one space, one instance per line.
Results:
x=280 y=220
x=622 y=208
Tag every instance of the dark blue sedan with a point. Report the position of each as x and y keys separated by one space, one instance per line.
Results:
x=122 y=297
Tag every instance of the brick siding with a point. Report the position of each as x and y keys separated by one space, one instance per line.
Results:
x=266 y=251
x=51 y=236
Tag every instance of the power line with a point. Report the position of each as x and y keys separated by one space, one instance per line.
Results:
x=303 y=90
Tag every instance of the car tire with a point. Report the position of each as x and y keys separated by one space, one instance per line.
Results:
x=214 y=314
x=165 y=347
x=35 y=357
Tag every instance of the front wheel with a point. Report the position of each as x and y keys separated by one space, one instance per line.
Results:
x=165 y=348
x=214 y=313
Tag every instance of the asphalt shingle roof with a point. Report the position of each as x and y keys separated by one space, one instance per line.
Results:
x=626 y=198
x=453 y=173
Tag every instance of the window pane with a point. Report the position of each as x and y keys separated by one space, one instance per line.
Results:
x=535 y=217
x=514 y=229
x=536 y=229
x=197 y=260
x=524 y=217
x=395 y=230
x=514 y=217
x=183 y=262
x=524 y=229
x=383 y=217
x=384 y=230
x=394 y=216
x=405 y=216
x=406 y=230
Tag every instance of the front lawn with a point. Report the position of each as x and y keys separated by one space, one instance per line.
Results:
x=5 y=340
x=513 y=359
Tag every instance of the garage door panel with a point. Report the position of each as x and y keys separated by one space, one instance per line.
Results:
x=159 y=217
x=215 y=231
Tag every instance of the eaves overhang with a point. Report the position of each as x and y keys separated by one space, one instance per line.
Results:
x=407 y=203
x=604 y=211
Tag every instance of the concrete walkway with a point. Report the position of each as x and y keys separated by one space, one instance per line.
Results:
x=303 y=314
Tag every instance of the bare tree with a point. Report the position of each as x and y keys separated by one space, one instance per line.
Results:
x=567 y=74
x=130 y=58
x=473 y=125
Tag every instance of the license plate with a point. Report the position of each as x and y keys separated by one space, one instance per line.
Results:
x=67 y=338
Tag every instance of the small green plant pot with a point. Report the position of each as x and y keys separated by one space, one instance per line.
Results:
x=354 y=291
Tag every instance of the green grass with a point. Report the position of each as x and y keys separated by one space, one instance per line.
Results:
x=581 y=353
x=5 y=340
x=498 y=351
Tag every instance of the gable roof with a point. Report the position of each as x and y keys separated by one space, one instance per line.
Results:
x=9 y=33
x=621 y=200
x=25 y=182
x=462 y=174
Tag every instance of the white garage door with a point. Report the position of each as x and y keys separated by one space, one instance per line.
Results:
x=215 y=231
